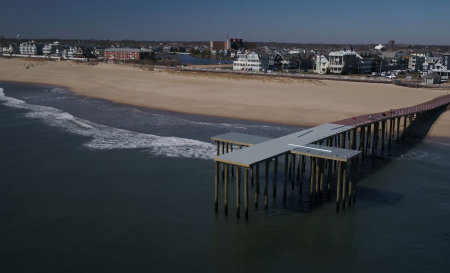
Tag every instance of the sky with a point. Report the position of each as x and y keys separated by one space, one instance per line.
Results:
x=289 y=21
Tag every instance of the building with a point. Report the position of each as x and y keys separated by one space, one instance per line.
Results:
x=321 y=63
x=394 y=61
x=432 y=78
x=415 y=63
x=364 y=62
x=291 y=61
x=219 y=45
x=252 y=61
x=379 y=47
x=52 y=49
x=12 y=49
x=391 y=43
x=126 y=53
x=343 y=61
x=31 y=49
x=437 y=65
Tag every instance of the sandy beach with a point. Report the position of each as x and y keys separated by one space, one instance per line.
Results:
x=300 y=102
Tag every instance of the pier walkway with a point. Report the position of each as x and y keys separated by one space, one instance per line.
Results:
x=327 y=148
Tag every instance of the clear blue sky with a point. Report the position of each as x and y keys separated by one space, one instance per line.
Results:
x=298 y=21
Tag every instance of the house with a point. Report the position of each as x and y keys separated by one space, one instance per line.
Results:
x=291 y=61
x=438 y=65
x=52 y=49
x=343 y=61
x=321 y=63
x=12 y=49
x=364 y=60
x=394 y=60
x=254 y=61
x=432 y=78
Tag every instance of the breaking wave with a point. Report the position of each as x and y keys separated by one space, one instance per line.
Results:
x=104 y=137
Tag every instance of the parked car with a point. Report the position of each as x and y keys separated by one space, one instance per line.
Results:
x=383 y=74
x=392 y=76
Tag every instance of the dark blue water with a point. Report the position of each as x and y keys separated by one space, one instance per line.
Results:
x=93 y=186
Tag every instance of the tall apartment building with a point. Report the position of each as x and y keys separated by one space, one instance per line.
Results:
x=219 y=45
x=126 y=53
x=30 y=49
x=415 y=62
x=391 y=43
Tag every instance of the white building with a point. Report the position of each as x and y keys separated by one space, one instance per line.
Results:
x=379 y=47
x=70 y=52
x=52 y=49
x=30 y=49
x=252 y=61
x=343 y=61
x=321 y=63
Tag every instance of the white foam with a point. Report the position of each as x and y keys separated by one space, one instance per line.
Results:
x=104 y=137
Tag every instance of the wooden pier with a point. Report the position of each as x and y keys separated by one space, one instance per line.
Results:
x=332 y=150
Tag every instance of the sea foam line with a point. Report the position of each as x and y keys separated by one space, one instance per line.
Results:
x=104 y=137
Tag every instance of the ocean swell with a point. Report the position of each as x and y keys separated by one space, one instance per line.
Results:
x=104 y=137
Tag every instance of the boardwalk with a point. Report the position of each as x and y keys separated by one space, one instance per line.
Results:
x=331 y=149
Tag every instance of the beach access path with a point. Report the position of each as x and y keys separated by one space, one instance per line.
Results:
x=305 y=102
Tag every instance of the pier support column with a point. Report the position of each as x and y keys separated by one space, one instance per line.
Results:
x=383 y=131
x=351 y=179
x=354 y=139
x=232 y=167
x=398 y=129
x=275 y=169
x=238 y=191
x=246 y=196
x=286 y=161
x=226 y=190
x=329 y=178
x=290 y=165
x=223 y=165
x=293 y=157
x=266 y=185
x=311 y=184
x=375 y=137
x=344 y=176
x=391 y=128
x=317 y=193
x=251 y=175
x=216 y=195
x=322 y=170
x=298 y=167
x=369 y=129
x=301 y=172
x=404 y=127
x=338 y=185
x=257 y=184
x=355 y=181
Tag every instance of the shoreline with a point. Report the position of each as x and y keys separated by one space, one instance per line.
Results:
x=159 y=109
x=304 y=103
x=443 y=140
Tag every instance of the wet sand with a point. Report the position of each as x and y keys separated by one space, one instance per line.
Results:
x=306 y=103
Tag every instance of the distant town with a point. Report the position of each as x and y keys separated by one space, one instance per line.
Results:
x=391 y=60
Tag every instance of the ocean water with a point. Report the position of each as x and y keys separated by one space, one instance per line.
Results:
x=89 y=185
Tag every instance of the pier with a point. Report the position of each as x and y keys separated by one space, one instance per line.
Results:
x=332 y=150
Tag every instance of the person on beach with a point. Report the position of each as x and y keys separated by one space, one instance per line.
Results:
x=384 y=115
